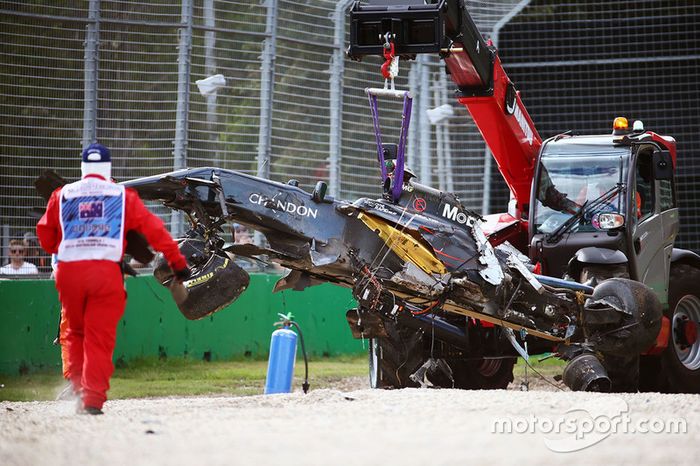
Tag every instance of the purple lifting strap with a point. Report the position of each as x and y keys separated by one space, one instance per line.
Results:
x=397 y=186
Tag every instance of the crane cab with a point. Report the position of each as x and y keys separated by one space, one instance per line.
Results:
x=606 y=202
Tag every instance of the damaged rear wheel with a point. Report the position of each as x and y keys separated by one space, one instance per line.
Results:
x=215 y=283
x=482 y=374
x=392 y=359
x=622 y=319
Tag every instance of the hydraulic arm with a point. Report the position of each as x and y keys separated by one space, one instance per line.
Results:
x=445 y=28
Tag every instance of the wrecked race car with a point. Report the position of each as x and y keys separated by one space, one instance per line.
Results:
x=438 y=302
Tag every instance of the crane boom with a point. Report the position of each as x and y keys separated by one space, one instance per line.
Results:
x=444 y=27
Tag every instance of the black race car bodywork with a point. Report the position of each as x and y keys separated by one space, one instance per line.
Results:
x=422 y=262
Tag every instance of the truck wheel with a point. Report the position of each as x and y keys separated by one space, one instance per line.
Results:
x=680 y=362
x=485 y=374
x=392 y=359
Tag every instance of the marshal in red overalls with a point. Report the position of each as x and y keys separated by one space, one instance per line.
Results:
x=85 y=225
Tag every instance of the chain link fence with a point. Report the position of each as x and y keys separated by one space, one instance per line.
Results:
x=581 y=64
x=124 y=73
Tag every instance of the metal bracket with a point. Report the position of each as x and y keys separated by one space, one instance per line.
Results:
x=522 y=351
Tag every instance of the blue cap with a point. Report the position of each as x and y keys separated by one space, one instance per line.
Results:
x=96 y=153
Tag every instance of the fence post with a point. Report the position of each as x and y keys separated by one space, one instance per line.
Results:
x=412 y=156
x=210 y=69
x=267 y=83
x=92 y=44
x=336 y=97
x=449 y=176
x=183 y=101
x=424 y=143
x=488 y=158
x=439 y=132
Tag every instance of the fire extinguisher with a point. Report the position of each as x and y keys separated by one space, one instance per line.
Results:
x=283 y=350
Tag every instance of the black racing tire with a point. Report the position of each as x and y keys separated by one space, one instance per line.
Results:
x=194 y=250
x=680 y=362
x=603 y=272
x=487 y=374
x=216 y=280
x=392 y=359
x=638 y=326
x=484 y=374
x=623 y=371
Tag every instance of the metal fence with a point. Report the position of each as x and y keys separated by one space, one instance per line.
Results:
x=581 y=64
x=124 y=72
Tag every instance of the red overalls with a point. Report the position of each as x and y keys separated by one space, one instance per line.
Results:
x=85 y=224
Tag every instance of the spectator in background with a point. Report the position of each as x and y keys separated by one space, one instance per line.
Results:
x=243 y=235
x=17 y=265
x=35 y=254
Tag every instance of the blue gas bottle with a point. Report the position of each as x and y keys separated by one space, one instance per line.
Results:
x=283 y=351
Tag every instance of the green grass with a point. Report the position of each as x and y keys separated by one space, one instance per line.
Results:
x=149 y=377
x=548 y=367
x=39 y=386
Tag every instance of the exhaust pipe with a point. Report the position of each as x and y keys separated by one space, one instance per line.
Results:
x=585 y=373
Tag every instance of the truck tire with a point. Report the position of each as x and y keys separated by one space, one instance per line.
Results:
x=485 y=374
x=392 y=359
x=680 y=361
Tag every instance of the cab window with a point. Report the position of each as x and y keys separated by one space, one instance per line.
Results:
x=666 y=197
x=644 y=186
x=571 y=181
